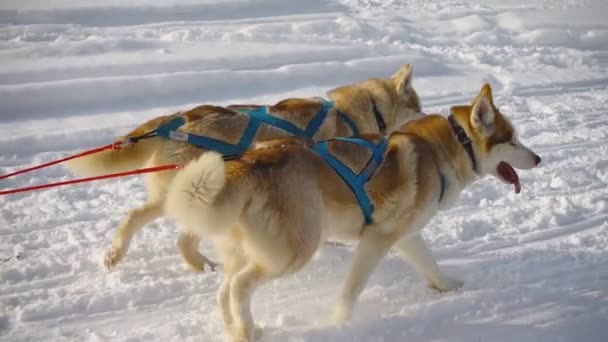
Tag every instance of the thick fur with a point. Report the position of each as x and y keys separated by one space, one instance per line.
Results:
x=270 y=210
x=394 y=97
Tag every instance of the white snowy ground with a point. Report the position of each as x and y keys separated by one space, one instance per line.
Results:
x=75 y=74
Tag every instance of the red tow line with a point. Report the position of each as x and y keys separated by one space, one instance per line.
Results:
x=85 y=153
x=114 y=146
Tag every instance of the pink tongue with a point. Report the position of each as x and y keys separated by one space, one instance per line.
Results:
x=507 y=173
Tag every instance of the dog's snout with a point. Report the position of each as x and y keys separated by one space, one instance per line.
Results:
x=537 y=159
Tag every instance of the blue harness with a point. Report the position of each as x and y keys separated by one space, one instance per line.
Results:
x=257 y=117
x=356 y=181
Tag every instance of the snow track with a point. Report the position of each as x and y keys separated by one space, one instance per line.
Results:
x=78 y=74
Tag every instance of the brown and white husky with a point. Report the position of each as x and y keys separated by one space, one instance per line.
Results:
x=376 y=105
x=271 y=209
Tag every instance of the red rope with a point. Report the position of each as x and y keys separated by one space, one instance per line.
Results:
x=82 y=154
x=82 y=180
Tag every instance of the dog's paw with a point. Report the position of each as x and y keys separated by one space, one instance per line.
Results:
x=257 y=332
x=205 y=266
x=340 y=314
x=199 y=263
x=112 y=258
x=445 y=284
x=212 y=266
x=234 y=334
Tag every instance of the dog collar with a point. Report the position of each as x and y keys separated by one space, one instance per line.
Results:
x=464 y=140
x=379 y=118
x=442 y=185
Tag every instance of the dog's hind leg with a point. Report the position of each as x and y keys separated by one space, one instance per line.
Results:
x=188 y=248
x=136 y=219
x=370 y=250
x=414 y=249
x=242 y=285
x=234 y=261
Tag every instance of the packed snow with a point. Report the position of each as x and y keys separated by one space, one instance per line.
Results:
x=76 y=74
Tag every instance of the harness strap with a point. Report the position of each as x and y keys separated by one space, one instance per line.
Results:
x=356 y=182
x=261 y=115
x=464 y=140
x=317 y=120
x=349 y=122
x=169 y=131
x=257 y=117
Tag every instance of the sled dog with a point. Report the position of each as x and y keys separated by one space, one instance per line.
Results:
x=371 y=106
x=268 y=211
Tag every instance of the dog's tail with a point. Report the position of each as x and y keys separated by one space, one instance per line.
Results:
x=127 y=158
x=112 y=161
x=191 y=198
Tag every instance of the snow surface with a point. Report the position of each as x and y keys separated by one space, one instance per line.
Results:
x=75 y=74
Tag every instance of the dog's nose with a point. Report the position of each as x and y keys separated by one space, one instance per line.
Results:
x=537 y=159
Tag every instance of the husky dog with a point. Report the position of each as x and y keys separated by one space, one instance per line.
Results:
x=271 y=209
x=376 y=105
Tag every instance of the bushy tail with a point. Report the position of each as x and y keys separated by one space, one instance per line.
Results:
x=112 y=161
x=192 y=195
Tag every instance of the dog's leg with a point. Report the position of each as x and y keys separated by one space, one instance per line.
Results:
x=414 y=249
x=188 y=248
x=371 y=249
x=241 y=289
x=135 y=220
x=223 y=298
x=234 y=261
x=223 y=302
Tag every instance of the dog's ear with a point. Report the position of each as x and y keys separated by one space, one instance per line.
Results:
x=482 y=112
x=403 y=79
x=486 y=91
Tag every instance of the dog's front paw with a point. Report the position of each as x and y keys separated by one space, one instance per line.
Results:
x=242 y=334
x=445 y=284
x=213 y=266
x=204 y=265
x=340 y=314
x=257 y=332
x=113 y=256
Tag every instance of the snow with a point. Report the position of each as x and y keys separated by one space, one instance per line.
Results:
x=75 y=74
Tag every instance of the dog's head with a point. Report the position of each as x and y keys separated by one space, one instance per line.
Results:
x=497 y=148
x=406 y=103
